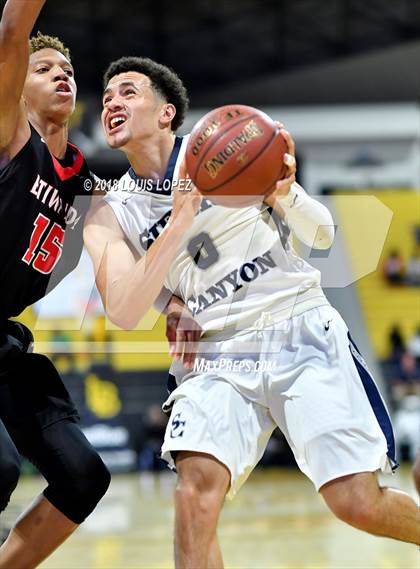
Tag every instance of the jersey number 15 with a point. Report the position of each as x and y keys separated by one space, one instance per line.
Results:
x=44 y=253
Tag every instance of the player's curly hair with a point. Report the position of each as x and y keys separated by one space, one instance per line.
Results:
x=163 y=79
x=42 y=41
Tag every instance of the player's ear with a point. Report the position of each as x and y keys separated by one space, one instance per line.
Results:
x=167 y=113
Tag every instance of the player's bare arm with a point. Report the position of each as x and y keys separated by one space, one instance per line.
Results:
x=16 y=24
x=182 y=331
x=310 y=220
x=128 y=284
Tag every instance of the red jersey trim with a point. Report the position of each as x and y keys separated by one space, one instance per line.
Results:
x=66 y=173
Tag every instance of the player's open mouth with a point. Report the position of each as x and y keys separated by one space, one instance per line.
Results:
x=115 y=122
x=63 y=88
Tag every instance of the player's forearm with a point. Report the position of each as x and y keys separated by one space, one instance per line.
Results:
x=133 y=294
x=18 y=19
x=309 y=220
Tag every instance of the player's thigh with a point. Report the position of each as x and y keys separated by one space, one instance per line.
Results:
x=210 y=416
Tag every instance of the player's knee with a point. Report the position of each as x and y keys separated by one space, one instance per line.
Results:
x=191 y=498
x=363 y=516
x=9 y=476
x=97 y=480
x=77 y=495
x=91 y=484
x=199 y=497
x=358 y=511
x=186 y=494
x=201 y=486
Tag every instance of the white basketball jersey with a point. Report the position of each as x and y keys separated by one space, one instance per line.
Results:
x=232 y=264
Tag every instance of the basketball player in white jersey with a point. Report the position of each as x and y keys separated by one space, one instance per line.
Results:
x=273 y=351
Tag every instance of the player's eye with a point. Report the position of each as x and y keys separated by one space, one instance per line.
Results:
x=129 y=92
x=69 y=72
x=42 y=69
x=106 y=100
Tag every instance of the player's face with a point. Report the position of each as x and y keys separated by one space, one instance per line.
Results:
x=131 y=109
x=50 y=88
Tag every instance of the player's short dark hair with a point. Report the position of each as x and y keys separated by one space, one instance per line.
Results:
x=41 y=41
x=163 y=80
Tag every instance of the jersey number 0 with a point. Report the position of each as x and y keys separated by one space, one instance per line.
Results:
x=203 y=250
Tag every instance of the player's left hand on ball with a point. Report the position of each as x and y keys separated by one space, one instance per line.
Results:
x=183 y=334
x=283 y=186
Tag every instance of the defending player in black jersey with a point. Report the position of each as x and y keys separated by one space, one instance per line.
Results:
x=44 y=196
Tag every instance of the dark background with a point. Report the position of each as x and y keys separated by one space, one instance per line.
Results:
x=234 y=47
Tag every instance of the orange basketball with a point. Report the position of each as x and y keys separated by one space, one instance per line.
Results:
x=235 y=155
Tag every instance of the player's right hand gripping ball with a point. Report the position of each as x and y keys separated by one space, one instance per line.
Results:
x=235 y=155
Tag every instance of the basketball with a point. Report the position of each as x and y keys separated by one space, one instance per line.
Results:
x=235 y=155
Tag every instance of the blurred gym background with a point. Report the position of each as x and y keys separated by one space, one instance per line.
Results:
x=344 y=78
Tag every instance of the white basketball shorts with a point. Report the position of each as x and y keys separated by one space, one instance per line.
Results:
x=304 y=375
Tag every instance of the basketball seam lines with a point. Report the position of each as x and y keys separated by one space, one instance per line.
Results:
x=243 y=119
x=267 y=144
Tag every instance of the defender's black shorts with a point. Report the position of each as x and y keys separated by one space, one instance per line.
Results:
x=32 y=393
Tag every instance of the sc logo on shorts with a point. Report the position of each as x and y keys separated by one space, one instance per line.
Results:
x=177 y=426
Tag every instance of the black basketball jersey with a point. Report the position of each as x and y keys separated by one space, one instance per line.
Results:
x=42 y=210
